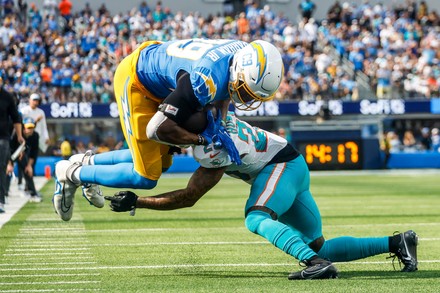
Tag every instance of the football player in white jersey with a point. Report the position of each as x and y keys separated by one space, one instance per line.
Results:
x=280 y=206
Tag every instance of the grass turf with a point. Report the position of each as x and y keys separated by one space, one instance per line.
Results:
x=207 y=248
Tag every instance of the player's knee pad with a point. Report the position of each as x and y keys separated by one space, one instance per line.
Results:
x=317 y=244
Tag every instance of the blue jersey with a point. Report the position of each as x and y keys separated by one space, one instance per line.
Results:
x=207 y=62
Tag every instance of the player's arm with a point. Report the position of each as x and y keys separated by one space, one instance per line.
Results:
x=202 y=180
x=223 y=106
x=165 y=126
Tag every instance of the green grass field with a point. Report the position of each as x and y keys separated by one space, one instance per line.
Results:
x=208 y=249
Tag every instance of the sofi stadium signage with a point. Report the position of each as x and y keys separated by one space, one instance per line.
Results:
x=273 y=108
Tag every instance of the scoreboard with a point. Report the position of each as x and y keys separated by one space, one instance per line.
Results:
x=337 y=147
x=332 y=154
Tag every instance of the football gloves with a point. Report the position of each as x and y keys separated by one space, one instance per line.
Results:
x=123 y=201
x=216 y=134
x=212 y=128
x=227 y=142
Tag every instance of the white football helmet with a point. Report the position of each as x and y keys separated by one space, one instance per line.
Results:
x=255 y=75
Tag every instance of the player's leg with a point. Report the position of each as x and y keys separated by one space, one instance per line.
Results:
x=347 y=248
x=107 y=158
x=272 y=194
x=305 y=217
x=122 y=175
x=136 y=108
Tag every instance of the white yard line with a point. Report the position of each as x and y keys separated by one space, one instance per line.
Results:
x=50 y=275
x=17 y=200
x=182 y=266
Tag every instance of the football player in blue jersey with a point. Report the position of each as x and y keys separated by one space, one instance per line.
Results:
x=157 y=88
x=280 y=206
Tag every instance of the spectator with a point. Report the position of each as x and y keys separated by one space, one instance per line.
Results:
x=334 y=13
x=33 y=111
x=425 y=139
x=435 y=139
x=50 y=7
x=66 y=149
x=65 y=8
x=7 y=31
x=27 y=160
x=306 y=7
x=395 y=145
x=409 y=141
x=242 y=25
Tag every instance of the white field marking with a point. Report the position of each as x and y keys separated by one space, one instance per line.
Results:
x=53 y=229
x=235 y=229
x=49 y=242
x=170 y=243
x=49 y=253
x=50 y=275
x=47 y=233
x=44 y=249
x=49 y=245
x=48 y=263
x=72 y=257
x=49 y=290
x=196 y=265
x=50 y=283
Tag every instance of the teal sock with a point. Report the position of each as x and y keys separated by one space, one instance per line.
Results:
x=347 y=248
x=279 y=234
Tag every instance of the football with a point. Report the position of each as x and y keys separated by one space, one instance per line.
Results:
x=197 y=122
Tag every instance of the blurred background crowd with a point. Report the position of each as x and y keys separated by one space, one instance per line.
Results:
x=357 y=51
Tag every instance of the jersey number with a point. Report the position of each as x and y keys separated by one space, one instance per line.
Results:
x=193 y=49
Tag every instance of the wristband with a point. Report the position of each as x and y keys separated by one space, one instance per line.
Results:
x=201 y=140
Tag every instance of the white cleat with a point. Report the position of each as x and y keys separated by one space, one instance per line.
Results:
x=64 y=189
x=91 y=192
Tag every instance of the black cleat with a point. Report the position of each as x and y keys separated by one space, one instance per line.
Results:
x=407 y=251
x=317 y=268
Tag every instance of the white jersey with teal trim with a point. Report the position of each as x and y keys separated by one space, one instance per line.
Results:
x=207 y=62
x=256 y=146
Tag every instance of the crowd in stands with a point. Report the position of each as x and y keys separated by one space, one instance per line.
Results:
x=397 y=48
x=68 y=56
x=427 y=140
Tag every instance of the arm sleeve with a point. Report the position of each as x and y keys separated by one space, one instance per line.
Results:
x=183 y=99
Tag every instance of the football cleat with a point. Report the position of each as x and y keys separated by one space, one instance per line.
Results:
x=316 y=268
x=91 y=192
x=65 y=189
x=407 y=251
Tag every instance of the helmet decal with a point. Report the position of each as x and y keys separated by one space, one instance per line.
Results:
x=261 y=60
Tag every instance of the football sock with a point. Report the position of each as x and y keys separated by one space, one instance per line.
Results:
x=348 y=248
x=279 y=234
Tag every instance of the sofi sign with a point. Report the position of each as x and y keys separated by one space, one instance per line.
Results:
x=81 y=110
x=272 y=108
x=382 y=107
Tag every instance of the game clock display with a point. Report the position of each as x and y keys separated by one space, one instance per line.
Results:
x=332 y=155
